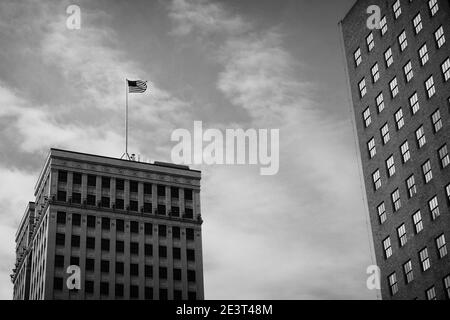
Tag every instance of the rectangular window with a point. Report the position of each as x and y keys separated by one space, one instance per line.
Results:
x=446 y=69
x=176 y=233
x=134 y=186
x=396 y=201
x=409 y=275
x=104 y=266
x=444 y=157
x=387 y=247
x=441 y=246
x=385 y=134
x=376 y=180
x=76 y=197
x=417 y=22
x=437 y=121
x=106 y=182
x=418 y=224
x=434 y=7
x=134 y=227
x=411 y=186
x=394 y=87
x=431 y=294
x=120 y=246
x=375 y=73
x=190 y=254
x=372 y=148
x=402 y=238
x=393 y=285
x=423 y=54
x=407 y=69
x=388 y=57
x=406 y=155
x=92 y=181
x=429 y=85
x=367 y=117
x=402 y=41
x=62 y=176
x=105 y=245
x=357 y=56
x=370 y=42
x=134 y=248
x=382 y=213
x=60 y=217
x=420 y=137
x=148 y=250
x=399 y=120
x=362 y=88
x=390 y=165
x=120 y=268
x=76 y=179
x=414 y=103
x=119 y=290
x=427 y=172
x=397 y=9
x=383 y=25
x=380 y=102
x=433 y=205
x=424 y=259
x=440 y=37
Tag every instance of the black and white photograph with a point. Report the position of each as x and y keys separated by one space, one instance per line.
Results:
x=219 y=157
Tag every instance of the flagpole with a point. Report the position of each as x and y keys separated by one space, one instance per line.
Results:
x=126 y=155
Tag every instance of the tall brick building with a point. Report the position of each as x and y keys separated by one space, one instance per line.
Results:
x=133 y=228
x=399 y=77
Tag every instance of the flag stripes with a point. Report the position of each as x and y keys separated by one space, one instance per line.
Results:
x=137 y=86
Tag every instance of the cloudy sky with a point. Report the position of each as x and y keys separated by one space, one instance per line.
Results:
x=300 y=234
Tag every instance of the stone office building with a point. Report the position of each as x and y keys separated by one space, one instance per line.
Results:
x=133 y=228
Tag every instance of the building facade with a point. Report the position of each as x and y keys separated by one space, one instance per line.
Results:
x=399 y=78
x=132 y=228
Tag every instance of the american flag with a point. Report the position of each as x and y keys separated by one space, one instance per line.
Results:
x=137 y=86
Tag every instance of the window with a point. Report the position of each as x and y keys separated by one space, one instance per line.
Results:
x=372 y=148
x=390 y=165
x=106 y=223
x=367 y=117
x=190 y=234
x=162 y=231
x=399 y=120
x=92 y=181
x=120 y=246
x=427 y=172
x=382 y=213
x=396 y=8
x=420 y=136
x=76 y=178
x=134 y=292
x=134 y=186
x=163 y=294
x=417 y=22
x=134 y=248
x=407 y=69
x=402 y=238
x=148 y=271
x=104 y=288
x=383 y=25
x=370 y=42
x=431 y=294
x=191 y=275
x=387 y=247
x=119 y=290
x=161 y=210
x=120 y=204
x=440 y=37
x=147 y=188
x=134 y=227
x=90 y=200
x=405 y=152
x=437 y=121
x=120 y=225
x=162 y=251
x=190 y=255
x=90 y=264
x=105 y=245
x=385 y=134
x=57 y=283
x=120 y=269
x=162 y=272
x=380 y=102
x=90 y=242
x=74 y=261
x=149 y=293
x=148 y=250
x=60 y=217
x=134 y=269
x=394 y=87
x=375 y=73
x=76 y=197
x=433 y=204
x=402 y=41
x=148 y=229
x=105 y=202
x=106 y=182
x=414 y=103
x=176 y=253
x=418 y=224
x=429 y=85
x=388 y=57
x=61 y=196
x=411 y=186
x=447 y=285
x=396 y=201
x=76 y=220
x=444 y=157
x=176 y=233
x=424 y=259
x=59 y=261
x=423 y=54
x=192 y=295
x=446 y=69
x=75 y=241
x=62 y=176
x=434 y=7
x=362 y=88
x=120 y=184
x=409 y=275
x=134 y=205
x=357 y=56
x=441 y=246
x=104 y=266
x=393 y=285
x=60 y=239
x=147 y=207
x=376 y=180
x=89 y=286
x=161 y=190
x=177 y=274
